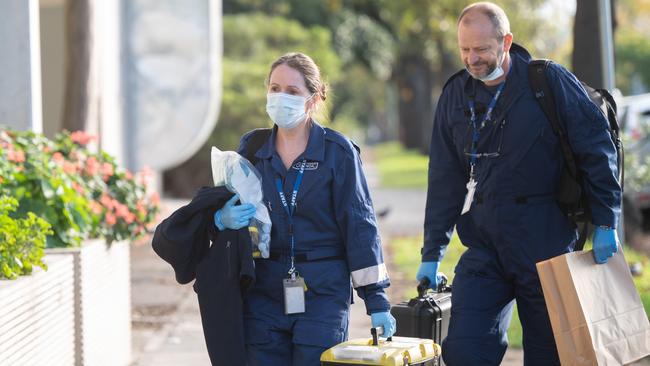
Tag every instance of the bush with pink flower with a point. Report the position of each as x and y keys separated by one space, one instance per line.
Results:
x=80 y=193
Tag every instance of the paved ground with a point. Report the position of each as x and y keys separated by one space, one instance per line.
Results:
x=166 y=322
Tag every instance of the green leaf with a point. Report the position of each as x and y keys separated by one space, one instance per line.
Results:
x=48 y=190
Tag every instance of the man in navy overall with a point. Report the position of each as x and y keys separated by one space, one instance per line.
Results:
x=494 y=167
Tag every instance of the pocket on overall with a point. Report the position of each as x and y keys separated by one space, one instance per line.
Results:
x=316 y=333
x=478 y=262
x=256 y=331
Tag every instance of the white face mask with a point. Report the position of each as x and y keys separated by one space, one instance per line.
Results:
x=286 y=110
x=497 y=72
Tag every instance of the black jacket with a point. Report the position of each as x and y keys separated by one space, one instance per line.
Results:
x=221 y=262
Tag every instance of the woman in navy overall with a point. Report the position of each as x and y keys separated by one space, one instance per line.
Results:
x=324 y=237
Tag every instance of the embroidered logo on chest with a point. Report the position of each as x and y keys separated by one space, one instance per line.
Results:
x=311 y=165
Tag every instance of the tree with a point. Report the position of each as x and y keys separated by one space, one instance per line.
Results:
x=633 y=46
x=587 y=43
x=251 y=43
x=425 y=52
x=410 y=45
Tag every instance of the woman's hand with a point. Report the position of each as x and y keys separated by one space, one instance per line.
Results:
x=234 y=217
x=384 y=319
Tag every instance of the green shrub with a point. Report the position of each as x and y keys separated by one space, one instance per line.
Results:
x=81 y=194
x=21 y=241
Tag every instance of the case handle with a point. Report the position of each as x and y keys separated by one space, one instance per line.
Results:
x=376 y=332
x=423 y=286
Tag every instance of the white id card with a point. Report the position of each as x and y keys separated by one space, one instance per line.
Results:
x=294 y=295
x=469 y=197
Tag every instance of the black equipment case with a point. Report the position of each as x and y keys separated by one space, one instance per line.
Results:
x=425 y=316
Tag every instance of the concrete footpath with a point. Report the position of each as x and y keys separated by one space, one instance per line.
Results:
x=166 y=321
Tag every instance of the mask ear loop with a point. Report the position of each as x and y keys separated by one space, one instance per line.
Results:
x=309 y=110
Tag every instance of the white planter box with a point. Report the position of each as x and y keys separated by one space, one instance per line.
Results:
x=37 y=316
x=102 y=302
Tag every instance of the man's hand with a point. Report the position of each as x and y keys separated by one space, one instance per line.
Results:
x=605 y=243
x=429 y=270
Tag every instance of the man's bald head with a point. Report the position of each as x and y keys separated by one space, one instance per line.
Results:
x=493 y=12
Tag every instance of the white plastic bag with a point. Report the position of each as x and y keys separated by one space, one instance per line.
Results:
x=239 y=176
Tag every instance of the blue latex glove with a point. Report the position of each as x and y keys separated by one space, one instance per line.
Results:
x=234 y=217
x=605 y=243
x=429 y=270
x=386 y=320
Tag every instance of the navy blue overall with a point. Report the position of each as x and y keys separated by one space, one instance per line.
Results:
x=514 y=220
x=336 y=240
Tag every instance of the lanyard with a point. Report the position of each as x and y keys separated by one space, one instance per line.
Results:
x=477 y=129
x=291 y=209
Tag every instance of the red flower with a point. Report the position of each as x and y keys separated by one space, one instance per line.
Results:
x=69 y=168
x=15 y=156
x=107 y=170
x=92 y=166
x=77 y=187
x=81 y=138
x=58 y=158
x=96 y=207
x=155 y=198
x=110 y=219
x=106 y=201
x=121 y=210
x=129 y=218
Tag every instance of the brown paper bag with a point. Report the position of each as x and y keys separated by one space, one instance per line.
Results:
x=595 y=311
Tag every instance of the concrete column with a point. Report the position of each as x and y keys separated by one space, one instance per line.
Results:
x=20 y=65
x=109 y=52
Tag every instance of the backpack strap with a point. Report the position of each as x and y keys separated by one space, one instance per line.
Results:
x=257 y=138
x=544 y=95
x=611 y=110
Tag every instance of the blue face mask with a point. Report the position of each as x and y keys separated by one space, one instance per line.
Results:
x=286 y=110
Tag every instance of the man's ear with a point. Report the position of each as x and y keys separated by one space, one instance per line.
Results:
x=507 y=42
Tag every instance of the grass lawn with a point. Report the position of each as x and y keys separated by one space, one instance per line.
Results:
x=406 y=256
x=400 y=168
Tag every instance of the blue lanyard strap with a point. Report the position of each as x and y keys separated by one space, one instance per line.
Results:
x=486 y=119
x=290 y=209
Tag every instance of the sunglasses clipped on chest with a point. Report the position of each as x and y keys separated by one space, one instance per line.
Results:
x=484 y=138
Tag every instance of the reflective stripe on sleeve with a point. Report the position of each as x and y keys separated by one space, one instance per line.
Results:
x=369 y=275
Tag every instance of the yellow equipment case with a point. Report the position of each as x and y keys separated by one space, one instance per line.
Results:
x=395 y=351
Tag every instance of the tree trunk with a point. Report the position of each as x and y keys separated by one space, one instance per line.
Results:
x=413 y=77
x=80 y=105
x=587 y=63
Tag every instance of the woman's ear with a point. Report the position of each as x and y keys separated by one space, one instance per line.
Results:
x=312 y=104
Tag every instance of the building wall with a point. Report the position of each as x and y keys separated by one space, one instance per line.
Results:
x=105 y=109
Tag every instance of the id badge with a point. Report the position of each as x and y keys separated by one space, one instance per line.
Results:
x=294 y=295
x=469 y=197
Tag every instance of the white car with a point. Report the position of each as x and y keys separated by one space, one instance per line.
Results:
x=634 y=120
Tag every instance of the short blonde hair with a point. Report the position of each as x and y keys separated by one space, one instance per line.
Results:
x=496 y=15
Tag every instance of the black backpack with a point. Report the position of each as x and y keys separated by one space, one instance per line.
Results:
x=257 y=139
x=570 y=195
